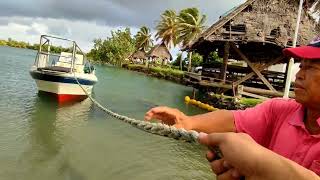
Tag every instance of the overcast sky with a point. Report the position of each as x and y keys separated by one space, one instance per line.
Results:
x=85 y=20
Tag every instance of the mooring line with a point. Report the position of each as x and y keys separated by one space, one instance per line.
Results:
x=154 y=128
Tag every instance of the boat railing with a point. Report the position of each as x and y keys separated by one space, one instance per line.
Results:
x=74 y=59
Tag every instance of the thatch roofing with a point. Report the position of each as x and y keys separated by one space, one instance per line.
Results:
x=260 y=29
x=138 y=55
x=160 y=51
x=223 y=20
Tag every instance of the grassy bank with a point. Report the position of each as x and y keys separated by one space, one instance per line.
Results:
x=219 y=101
x=159 y=72
x=227 y=102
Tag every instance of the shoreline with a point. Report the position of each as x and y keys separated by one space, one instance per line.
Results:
x=216 y=100
x=160 y=73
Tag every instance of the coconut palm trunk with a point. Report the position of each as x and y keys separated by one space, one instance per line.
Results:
x=190 y=62
x=180 y=64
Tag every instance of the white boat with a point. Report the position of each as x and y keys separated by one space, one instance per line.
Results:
x=59 y=74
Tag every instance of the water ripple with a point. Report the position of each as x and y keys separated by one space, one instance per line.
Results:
x=41 y=139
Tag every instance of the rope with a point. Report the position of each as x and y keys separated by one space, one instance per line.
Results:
x=154 y=128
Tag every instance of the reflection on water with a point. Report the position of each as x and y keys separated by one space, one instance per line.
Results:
x=43 y=140
x=46 y=157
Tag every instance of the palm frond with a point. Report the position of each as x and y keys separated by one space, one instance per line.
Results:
x=190 y=22
x=143 y=39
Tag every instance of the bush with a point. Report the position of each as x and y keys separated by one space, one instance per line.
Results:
x=250 y=102
x=163 y=72
x=167 y=72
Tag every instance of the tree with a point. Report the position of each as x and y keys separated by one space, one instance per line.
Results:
x=167 y=28
x=197 y=59
x=115 y=49
x=3 y=43
x=143 y=39
x=214 y=57
x=179 y=61
x=190 y=25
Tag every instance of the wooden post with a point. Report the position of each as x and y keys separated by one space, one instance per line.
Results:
x=255 y=70
x=193 y=93
x=224 y=66
x=239 y=91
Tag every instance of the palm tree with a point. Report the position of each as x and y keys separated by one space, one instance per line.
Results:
x=167 y=28
x=143 y=39
x=190 y=25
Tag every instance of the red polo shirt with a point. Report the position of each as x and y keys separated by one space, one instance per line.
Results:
x=277 y=124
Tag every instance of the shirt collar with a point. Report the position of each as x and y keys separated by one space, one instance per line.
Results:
x=298 y=117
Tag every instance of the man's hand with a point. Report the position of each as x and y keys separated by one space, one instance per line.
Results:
x=235 y=148
x=169 y=116
x=243 y=156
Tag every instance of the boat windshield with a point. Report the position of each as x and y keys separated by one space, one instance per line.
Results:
x=50 y=60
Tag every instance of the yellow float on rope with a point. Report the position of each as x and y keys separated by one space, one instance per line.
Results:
x=187 y=99
x=211 y=108
x=201 y=105
x=193 y=101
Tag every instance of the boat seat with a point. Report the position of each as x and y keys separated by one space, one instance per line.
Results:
x=56 y=68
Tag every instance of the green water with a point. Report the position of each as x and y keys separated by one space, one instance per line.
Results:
x=41 y=140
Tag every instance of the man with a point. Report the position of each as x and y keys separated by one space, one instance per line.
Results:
x=288 y=127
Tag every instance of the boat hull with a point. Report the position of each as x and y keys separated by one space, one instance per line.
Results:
x=63 y=85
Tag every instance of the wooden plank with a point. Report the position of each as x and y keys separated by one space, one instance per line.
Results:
x=260 y=68
x=245 y=89
x=234 y=33
x=264 y=80
x=254 y=95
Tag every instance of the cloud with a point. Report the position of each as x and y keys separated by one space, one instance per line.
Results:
x=30 y=29
x=84 y=20
x=111 y=12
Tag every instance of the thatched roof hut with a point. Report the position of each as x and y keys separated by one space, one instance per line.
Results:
x=255 y=32
x=259 y=28
x=138 y=55
x=160 y=51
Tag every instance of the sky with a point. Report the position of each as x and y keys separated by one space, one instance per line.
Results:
x=85 y=20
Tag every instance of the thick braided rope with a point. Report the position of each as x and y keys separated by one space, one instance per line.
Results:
x=154 y=128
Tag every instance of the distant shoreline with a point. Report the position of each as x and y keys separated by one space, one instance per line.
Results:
x=17 y=47
x=26 y=45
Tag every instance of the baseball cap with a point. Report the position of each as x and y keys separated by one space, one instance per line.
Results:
x=311 y=51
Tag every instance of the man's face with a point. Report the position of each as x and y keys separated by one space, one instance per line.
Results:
x=307 y=84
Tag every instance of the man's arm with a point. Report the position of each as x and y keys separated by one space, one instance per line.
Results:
x=257 y=121
x=218 y=121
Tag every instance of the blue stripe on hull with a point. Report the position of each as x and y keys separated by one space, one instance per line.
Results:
x=60 y=79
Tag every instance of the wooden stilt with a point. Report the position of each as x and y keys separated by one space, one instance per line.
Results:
x=255 y=70
x=261 y=68
x=193 y=93
x=223 y=70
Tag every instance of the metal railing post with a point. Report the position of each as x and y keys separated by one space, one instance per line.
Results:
x=73 y=56
x=291 y=62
